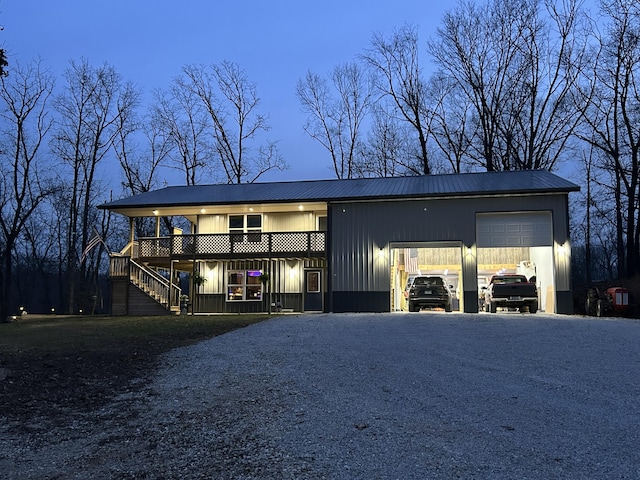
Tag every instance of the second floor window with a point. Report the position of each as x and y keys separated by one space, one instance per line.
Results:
x=245 y=223
x=241 y=224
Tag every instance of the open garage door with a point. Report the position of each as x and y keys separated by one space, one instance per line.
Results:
x=425 y=258
x=520 y=242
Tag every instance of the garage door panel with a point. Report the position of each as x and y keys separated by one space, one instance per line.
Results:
x=526 y=229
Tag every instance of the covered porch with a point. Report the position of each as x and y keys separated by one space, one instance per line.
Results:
x=227 y=272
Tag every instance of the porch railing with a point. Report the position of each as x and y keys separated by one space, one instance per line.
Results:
x=230 y=245
x=151 y=282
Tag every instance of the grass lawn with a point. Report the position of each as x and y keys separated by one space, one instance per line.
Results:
x=53 y=365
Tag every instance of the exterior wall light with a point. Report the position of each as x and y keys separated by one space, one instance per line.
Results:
x=155 y=212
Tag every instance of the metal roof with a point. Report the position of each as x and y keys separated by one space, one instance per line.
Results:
x=426 y=186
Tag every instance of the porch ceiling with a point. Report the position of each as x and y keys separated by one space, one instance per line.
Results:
x=191 y=212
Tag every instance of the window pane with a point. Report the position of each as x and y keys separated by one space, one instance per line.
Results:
x=236 y=278
x=235 y=293
x=254 y=293
x=253 y=277
x=313 y=282
x=322 y=224
x=236 y=221
x=254 y=221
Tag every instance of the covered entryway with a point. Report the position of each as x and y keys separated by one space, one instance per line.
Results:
x=517 y=242
x=425 y=258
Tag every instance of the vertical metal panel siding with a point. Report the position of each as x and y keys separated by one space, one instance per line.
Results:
x=359 y=229
x=212 y=224
x=289 y=222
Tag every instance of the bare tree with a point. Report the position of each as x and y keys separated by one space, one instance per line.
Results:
x=89 y=109
x=613 y=118
x=395 y=62
x=23 y=184
x=336 y=122
x=140 y=163
x=475 y=48
x=453 y=129
x=180 y=121
x=517 y=67
x=231 y=101
x=384 y=153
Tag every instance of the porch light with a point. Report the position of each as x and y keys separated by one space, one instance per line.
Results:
x=202 y=210
x=155 y=212
x=300 y=207
x=381 y=252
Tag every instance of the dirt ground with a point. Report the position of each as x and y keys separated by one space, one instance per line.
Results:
x=58 y=369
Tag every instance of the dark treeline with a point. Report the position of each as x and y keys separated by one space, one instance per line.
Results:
x=513 y=85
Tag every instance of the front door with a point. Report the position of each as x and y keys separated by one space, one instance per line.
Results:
x=313 y=291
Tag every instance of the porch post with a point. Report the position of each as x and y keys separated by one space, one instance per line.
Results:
x=171 y=283
x=132 y=223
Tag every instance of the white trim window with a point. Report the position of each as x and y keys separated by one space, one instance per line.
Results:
x=244 y=285
x=242 y=224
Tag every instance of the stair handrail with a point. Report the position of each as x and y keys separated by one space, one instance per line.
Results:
x=168 y=292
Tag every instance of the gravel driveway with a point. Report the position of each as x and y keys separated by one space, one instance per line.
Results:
x=377 y=396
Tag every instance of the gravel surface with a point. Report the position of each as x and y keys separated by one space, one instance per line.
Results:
x=368 y=396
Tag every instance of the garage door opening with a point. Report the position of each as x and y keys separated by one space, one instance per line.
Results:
x=425 y=258
x=517 y=243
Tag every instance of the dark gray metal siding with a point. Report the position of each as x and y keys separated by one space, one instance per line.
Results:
x=360 y=229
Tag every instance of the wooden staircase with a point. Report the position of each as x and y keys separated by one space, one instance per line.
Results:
x=139 y=290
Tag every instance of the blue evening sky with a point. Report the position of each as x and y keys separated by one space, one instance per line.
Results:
x=275 y=41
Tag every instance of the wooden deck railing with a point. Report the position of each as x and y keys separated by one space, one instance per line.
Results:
x=234 y=245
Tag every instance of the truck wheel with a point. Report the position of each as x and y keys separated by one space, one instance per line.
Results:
x=447 y=307
x=533 y=307
x=493 y=307
x=414 y=307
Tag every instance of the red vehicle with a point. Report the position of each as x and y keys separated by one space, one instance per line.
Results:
x=612 y=301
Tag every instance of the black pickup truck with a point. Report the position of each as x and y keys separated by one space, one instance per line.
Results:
x=511 y=291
